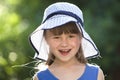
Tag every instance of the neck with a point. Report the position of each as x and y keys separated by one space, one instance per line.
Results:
x=65 y=64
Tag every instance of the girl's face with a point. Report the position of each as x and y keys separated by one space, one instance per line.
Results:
x=64 y=46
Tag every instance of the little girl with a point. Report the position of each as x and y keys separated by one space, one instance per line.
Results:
x=64 y=45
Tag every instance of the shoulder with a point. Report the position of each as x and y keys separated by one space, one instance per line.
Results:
x=40 y=75
x=93 y=67
x=96 y=70
x=35 y=77
x=100 y=74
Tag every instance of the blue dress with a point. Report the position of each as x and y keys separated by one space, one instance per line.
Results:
x=90 y=73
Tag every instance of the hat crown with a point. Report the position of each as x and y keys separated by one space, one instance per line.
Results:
x=63 y=6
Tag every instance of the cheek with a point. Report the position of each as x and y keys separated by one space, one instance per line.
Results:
x=76 y=43
x=52 y=44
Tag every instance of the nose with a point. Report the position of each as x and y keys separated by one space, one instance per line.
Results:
x=64 y=42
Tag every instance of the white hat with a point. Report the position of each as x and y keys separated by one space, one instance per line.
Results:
x=56 y=15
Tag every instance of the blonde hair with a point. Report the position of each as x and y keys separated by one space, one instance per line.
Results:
x=66 y=28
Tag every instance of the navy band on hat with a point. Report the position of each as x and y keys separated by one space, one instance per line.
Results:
x=65 y=13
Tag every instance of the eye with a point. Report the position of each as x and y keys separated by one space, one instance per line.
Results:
x=56 y=37
x=72 y=35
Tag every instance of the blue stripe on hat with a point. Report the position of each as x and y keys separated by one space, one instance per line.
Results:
x=65 y=13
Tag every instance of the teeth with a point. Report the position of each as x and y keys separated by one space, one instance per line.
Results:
x=64 y=50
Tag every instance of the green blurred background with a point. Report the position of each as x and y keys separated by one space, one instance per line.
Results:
x=18 y=18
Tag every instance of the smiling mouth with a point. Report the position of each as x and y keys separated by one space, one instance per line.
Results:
x=64 y=52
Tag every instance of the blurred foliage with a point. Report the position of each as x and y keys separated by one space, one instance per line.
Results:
x=18 y=18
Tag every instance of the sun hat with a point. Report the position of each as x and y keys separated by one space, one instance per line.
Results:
x=56 y=15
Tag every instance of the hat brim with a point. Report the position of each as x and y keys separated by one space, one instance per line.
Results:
x=42 y=49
